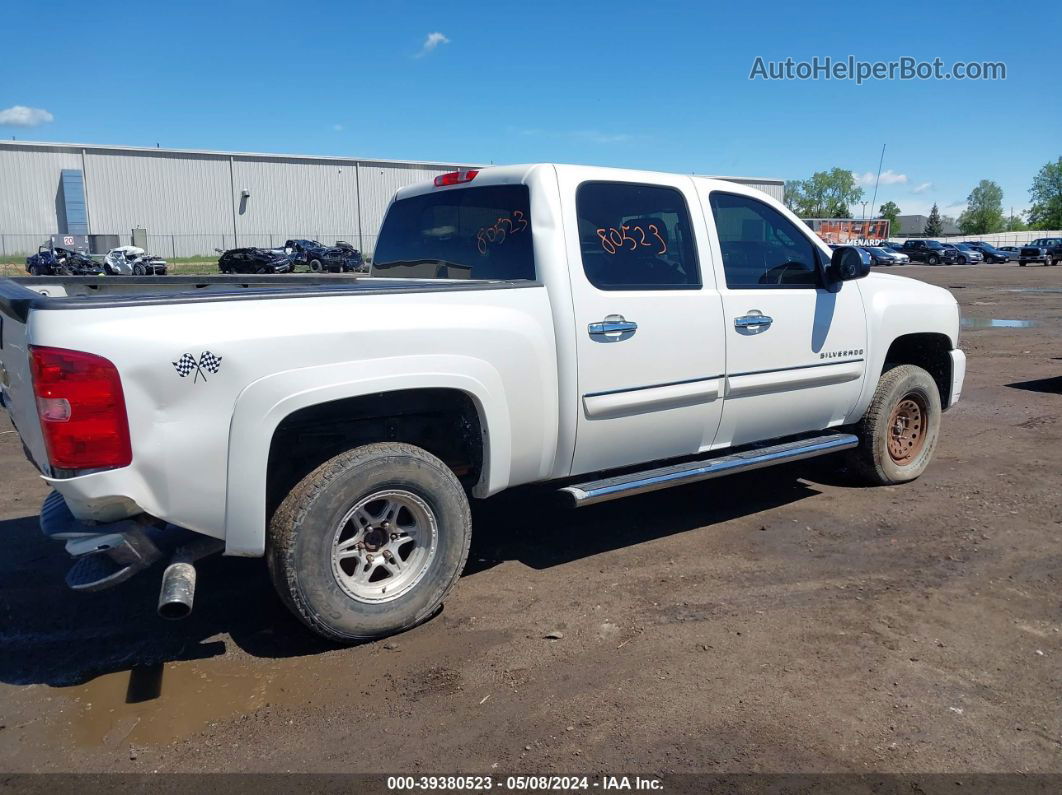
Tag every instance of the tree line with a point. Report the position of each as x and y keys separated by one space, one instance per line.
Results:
x=832 y=194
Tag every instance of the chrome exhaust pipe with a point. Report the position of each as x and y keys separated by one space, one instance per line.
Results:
x=178 y=591
x=178 y=581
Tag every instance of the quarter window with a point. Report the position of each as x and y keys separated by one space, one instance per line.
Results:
x=636 y=237
x=760 y=246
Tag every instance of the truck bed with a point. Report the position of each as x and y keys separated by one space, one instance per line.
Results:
x=21 y=294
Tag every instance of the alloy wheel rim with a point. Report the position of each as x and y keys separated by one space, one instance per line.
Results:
x=384 y=545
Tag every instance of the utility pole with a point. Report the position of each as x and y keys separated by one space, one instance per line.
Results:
x=874 y=201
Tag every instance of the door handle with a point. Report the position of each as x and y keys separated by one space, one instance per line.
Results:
x=754 y=319
x=612 y=326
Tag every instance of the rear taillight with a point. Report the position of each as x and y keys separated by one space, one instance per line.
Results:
x=82 y=409
x=455 y=177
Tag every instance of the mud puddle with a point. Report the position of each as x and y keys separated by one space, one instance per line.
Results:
x=158 y=704
x=983 y=323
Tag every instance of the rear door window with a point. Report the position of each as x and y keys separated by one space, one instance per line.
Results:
x=636 y=237
x=467 y=233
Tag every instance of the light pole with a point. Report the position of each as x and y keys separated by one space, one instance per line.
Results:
x=864 y=209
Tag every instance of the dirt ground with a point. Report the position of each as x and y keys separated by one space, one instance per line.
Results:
x=776 y=621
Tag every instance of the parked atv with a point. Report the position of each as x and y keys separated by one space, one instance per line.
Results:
x=255 y=260
x=53 y=261
x=133 y=261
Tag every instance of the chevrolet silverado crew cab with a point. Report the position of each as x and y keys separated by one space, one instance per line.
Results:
x=608 y=331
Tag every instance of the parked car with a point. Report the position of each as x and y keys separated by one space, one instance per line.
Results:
x=990 y=252
x=1047 y=250
x=133 y=261
x=55 y=261
x=931 y=252
x=271 y=423
x=964 y=253
x=879 y=255
x=255 y=260
x=892 y=245
x=1013 y=252
x=340 y=258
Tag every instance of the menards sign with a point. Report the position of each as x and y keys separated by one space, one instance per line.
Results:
x=849 y=230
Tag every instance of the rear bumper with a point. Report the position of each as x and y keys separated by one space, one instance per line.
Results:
x=958 y=376
x=107 y=554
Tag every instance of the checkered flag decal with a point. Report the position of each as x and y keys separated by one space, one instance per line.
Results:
x=187 y=365
x=210 y=362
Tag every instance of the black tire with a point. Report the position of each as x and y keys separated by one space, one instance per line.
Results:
x=872 y=461
x=316 y=266
x=1021 y=264
x=138 y=270
x=304 y=527
x=933 y=260
x=962 y=260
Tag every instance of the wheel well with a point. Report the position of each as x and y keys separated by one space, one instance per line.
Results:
x=931 y=352
x=445 y=422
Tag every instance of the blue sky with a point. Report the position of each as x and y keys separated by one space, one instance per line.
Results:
x=661 y=86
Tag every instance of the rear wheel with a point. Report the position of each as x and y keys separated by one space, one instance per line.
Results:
x=370 y=542
x=933 y=260
x=316 y=266
x=899 y=431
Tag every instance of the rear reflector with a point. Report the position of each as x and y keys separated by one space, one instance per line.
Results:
x=81 y=408
x=455 y=178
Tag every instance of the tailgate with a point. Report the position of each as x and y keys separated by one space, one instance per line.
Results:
x=16 y=388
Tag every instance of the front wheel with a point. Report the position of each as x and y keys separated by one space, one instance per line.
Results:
x=899 y=431
x=933 y=260
x=370 y=542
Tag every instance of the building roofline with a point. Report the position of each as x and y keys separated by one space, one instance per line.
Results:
x=280 y=156
x=732 y=178
x=223 y=154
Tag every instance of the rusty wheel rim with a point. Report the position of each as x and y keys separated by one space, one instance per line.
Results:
x=907 y=429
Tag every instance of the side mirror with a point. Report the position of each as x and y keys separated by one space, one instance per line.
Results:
x=849 y=262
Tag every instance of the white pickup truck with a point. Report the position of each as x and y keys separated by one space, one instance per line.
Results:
x=611 y=331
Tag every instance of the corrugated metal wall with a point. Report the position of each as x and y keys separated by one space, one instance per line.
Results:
x=192 y=202
x=163 y=193
x=29 y=187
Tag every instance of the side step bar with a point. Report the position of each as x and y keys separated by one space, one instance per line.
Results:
x=704 y=469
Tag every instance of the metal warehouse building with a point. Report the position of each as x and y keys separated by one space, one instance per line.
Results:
x=190 y=202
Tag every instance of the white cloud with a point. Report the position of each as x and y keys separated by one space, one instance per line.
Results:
x=432 y=41
x=21 y=116
x=922 y=187
x=598 y=137
x=888 y=177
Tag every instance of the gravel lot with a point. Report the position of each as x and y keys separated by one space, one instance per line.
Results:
x=775 y=621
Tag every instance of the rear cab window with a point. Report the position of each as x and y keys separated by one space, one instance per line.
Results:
x=464 y=233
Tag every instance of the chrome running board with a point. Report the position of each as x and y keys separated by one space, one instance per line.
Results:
x=594 y=491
